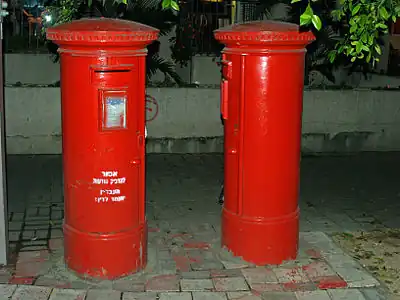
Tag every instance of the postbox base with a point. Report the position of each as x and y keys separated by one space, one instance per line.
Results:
x=261 y=242
x=105 y=256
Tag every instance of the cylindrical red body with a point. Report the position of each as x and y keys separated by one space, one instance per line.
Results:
x=103 y=118
x=261 y=103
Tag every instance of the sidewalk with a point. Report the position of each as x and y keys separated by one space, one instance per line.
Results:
x=185 y=261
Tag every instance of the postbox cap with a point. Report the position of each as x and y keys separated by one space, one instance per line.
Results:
x=263 y=32
x=101 y=31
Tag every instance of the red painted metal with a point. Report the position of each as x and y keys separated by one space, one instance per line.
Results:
x=263 y=70
x=103 y=119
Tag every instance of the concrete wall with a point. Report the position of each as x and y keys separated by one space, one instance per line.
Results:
x=188 y=121
x=39 y=69
x=30 y=69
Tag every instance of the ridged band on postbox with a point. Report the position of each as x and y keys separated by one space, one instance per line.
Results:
x=103 y=125
x=265 y=63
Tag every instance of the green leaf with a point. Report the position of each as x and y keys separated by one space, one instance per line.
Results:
x=294 y=1
x=378 y=49
x=305 y=19
x=166 y=4
x=89 y=3
x=316 y=22
x=353 y=59
x=174 y=5
x=356 y=9
x=365 y=48
x=383 y=12
x=364 y=38
x=332 y=56
x=353 y=28
x=358 y=46
x=381 y=25
x=370 y=40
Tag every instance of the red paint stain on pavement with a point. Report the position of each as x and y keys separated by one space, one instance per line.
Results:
x=197 y=245
x=182 y=263
x=313 y=253
x=21 y=280
x=330 y=282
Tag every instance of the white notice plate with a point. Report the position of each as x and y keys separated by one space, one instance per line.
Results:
x=115 y=112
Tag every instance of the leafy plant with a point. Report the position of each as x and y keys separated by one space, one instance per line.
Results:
x=365 y=22
x=316 y=57
x=146 y=12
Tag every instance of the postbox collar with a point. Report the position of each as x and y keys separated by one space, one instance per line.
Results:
x=263 y=32
x=99 y=31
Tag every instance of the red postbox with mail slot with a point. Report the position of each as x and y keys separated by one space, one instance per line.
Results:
x=261 y=104
x=103 y=133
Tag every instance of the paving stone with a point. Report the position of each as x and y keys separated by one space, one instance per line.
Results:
x=44 y=211
x=209 y=296
x=15 y=226
x=31 y=293
x=242 y=296
x=168 y=267
x=226 y=273
x=318 y=269
x=279 y=296
x=14 y=236
x=6 y=290
x=31 y=212
x=52 y=282
x=291 y=274
x=175 y=296
x=128 y=285
x=230 y=284
x=56 y=244
x=313 y=295
x=197 y=285
x=163 y=283
x=345 y=294
x=103 y=295
x=196 y=275
x=266 y=287
x=140 y=296
x=373 y=294
x=234 y=265
x=323 y=275
x=207 y=265
x=67 y=294
x=259 y=275
x=56 y=233
x=31 y=263
x=22 y=280
x=18 y=216
x=355 y=276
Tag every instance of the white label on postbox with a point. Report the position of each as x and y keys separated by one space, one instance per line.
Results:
x=110 y=184
x=115 y=112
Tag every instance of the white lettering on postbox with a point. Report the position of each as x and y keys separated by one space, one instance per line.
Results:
x=107 y=194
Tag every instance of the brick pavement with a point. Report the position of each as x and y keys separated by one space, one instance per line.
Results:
x=337 y=194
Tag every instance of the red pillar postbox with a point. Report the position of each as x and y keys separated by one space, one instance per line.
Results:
x=261 y=104
x=103 y=127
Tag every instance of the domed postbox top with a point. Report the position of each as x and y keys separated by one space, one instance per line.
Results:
x=263 y=32
x=100 y=31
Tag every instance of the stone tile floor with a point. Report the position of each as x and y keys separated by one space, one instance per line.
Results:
x=337 y=194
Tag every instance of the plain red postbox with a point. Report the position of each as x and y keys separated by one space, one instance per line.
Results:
x=261 y=104
x=103 y=125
